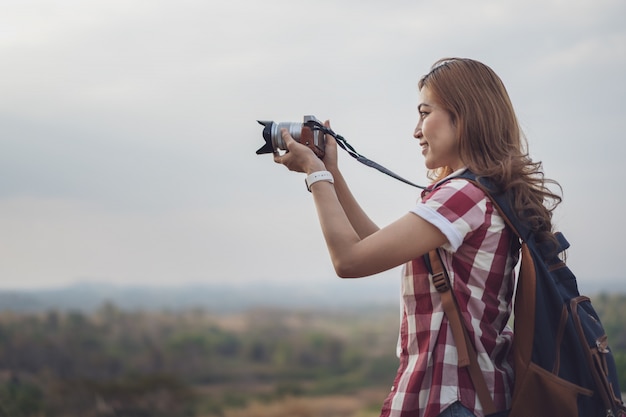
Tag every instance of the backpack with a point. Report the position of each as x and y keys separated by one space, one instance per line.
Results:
x=562 y=361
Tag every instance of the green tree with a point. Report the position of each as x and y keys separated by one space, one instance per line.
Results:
x=20 y=399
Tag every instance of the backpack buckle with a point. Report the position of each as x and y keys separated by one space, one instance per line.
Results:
x=440 y=282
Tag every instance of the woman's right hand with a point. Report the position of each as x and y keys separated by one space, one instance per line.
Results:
x=330 y=152
x=298 y=157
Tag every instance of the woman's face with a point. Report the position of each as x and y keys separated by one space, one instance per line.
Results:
x=437 y=134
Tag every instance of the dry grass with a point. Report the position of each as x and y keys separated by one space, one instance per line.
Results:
x=333 y=406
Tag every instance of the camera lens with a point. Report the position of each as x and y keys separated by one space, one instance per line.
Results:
x=294 y=129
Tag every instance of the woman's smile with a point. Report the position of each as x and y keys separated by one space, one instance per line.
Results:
x=436 y=134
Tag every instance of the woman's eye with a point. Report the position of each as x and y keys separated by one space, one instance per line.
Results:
x=423 y=114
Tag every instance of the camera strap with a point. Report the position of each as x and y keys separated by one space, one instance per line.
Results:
x=343 y=144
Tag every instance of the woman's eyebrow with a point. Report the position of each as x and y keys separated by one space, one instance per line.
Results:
x=419 y=106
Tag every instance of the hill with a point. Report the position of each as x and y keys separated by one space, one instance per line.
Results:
x=223 y=298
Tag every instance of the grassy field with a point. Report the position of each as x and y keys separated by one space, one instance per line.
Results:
x=257 y=363
x=365 y=403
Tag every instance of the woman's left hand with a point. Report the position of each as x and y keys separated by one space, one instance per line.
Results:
x=298 y=158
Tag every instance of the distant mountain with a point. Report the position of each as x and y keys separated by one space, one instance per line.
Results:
x=213 y=297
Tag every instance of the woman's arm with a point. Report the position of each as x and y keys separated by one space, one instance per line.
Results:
x=371 y=251
x=361 y=222
x=403 y=240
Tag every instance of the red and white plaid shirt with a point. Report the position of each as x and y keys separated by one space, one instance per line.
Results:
x=480 y=257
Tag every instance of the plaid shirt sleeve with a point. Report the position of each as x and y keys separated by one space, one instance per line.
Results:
x=457 y=209
x=479 y=257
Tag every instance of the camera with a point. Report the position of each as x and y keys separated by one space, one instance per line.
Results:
x=302 y=132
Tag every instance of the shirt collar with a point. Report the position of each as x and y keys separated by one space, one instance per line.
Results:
x=432 y=186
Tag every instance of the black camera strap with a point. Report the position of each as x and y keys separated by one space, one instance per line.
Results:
x=343 y=144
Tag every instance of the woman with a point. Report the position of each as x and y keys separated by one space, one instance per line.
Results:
x=466 y=121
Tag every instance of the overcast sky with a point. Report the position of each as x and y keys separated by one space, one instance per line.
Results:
x=128 y=128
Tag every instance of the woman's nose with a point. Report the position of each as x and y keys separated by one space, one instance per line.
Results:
x=418 y=132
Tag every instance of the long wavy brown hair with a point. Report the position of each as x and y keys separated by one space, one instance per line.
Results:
x=491 y=143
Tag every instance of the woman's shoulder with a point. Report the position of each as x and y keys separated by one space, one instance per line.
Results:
x=457 y=189
x=458 y=200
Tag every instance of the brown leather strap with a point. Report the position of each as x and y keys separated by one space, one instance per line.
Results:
x=465 y=348
x=442 y=284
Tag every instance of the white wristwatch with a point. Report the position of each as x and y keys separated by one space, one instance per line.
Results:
x=318 y=176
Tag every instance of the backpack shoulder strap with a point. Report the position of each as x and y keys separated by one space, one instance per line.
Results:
x=467 y=356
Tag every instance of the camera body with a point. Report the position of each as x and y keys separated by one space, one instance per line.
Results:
x=301 y=132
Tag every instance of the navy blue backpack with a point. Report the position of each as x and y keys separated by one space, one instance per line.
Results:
x=563 y=363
